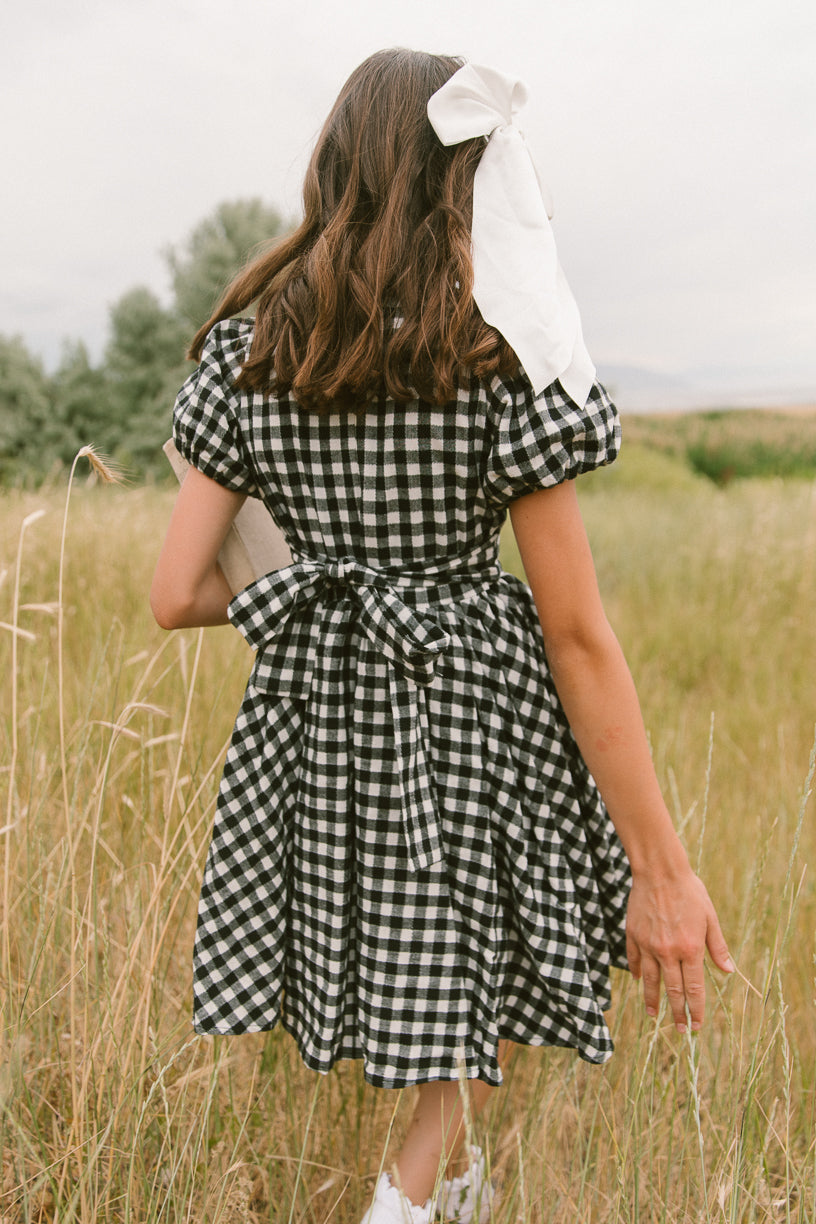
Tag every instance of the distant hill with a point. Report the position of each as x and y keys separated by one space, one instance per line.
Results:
x=640 y=389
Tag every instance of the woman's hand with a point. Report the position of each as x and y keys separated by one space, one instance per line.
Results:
x=669 y=924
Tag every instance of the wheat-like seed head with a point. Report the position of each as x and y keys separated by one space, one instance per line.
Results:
x=104 y=467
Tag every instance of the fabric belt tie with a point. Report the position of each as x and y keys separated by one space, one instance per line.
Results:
x=411 y=642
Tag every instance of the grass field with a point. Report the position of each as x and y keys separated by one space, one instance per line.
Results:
x=112 y=737
x=735 y=443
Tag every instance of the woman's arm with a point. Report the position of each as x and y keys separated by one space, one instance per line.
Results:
x=188 y=587
x=670 y=919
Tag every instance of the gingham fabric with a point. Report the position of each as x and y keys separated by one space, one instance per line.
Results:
x=409 y=859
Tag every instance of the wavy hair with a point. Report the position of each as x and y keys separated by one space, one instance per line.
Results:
x=372 y=293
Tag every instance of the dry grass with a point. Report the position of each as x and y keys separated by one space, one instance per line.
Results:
x=111 y=1111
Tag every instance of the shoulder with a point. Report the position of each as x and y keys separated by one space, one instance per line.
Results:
x=206 y=418
x=211 y=391
x=227 y=348
x=515 y=398
x=542 y=440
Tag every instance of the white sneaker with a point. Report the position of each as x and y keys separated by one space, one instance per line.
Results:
x=467 y=1199
x=390 y=1206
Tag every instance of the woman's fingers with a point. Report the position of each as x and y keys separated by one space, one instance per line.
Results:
x=684 y=985
x=676 y=994
x=717 y=947
x=668 y=930
x=650 y=972
x=694 y=992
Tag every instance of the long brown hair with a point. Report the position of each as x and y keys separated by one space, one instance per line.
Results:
x=372 y=293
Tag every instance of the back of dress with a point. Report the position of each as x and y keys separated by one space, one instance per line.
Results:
x=410 y=860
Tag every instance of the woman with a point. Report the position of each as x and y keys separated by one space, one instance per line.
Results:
x=438 y=825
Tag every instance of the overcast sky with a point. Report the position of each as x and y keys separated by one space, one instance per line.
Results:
x=678 y=139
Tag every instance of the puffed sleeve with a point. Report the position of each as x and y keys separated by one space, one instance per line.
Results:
x=540 y=441
x=206 y=427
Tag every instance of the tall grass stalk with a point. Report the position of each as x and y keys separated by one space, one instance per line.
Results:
x=16 y=633
x=306 y=1137
x=108 y=475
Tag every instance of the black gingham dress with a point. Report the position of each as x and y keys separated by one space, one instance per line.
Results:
x=409 y=859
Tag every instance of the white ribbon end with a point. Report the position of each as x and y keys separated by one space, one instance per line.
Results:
x=518 y=283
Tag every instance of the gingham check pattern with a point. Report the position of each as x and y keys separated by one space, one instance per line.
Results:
x=409 y=859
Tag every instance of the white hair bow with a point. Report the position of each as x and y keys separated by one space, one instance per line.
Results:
x=518 y=283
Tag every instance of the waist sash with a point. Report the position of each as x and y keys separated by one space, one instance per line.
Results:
x=410 y=640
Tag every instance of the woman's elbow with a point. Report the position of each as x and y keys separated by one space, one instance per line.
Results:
x=583 y=644
x=162 y=614
x=168 y=610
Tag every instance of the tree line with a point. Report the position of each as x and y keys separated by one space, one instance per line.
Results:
x=122 y=406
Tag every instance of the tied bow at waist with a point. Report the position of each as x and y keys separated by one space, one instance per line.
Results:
x=290 y=649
